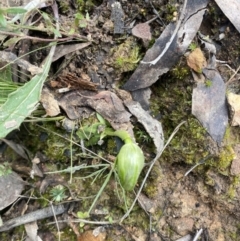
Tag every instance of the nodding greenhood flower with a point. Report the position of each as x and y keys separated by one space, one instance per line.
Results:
x=130 y=162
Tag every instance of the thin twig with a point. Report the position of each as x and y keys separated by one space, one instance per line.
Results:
x=40 y=39
x=153 y=62
x=56 y=16
x=71 y=154
x=56 y=222
x=156 y=12
x=197 y=235
x=33 y=216
x=231 y=78
x=79 y=220
x=199 y=163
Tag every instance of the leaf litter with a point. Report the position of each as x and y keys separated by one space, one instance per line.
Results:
x=10 y=195
x=208 y=103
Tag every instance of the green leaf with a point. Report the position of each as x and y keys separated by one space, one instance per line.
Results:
x=2 y=11
x=82 y=215
x=6 y=84
x=101 y=119
x=22 y=102
x=79 y=16
x=3 y=21
x=87 y=16
x=91 y=134
x=15 y=10
x=57 y=33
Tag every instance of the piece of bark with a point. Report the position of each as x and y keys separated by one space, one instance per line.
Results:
x=209 y=104
x=117 y=16
x=11 y=186
x=152 y=126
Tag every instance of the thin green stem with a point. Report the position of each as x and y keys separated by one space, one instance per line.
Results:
x=101 y=189
x=123 y=135
x=71 y=154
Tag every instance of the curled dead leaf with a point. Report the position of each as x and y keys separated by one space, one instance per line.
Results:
x=92 y=236
x=49 y=103
x=196 y=60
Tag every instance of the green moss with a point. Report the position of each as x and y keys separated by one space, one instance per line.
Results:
x=233 y=236
x=233 y=186
x=154 y=179
x=226 y=156
x=172 y=102
x=193 y=46
x=125 y=57
x=85 y=5
x=231 y=136
x=44 y=138
x=141 y=135
x=64 y=7
x=209 y=180
x=180 y=72
x=150 y=189
x=111 y=146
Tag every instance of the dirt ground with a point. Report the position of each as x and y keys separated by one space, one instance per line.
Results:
x=172 y=205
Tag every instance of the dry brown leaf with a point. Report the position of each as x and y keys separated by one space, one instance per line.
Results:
x=32 y=232
x=11 y=186
x=91 y=236
x=196 y=60
x=49 y=103
x=234 y=104
x=18 y=148
x=142 y=30
x=9 y=57
x=152 y=126
x=63 y=50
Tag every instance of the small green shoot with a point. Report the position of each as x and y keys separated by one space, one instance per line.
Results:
x=81 y=21
x=58 y=193
x=94 y=132
x=192 y=46
x=82 y=215
x=143 y=136
x=208 y=83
